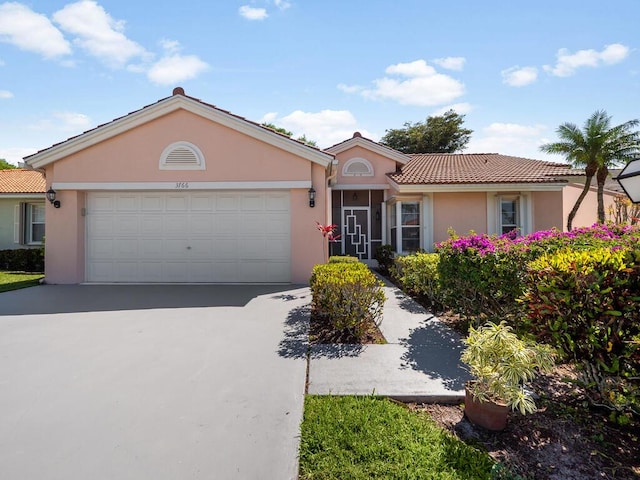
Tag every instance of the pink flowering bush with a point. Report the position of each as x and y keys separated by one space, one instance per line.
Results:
x=483 y=275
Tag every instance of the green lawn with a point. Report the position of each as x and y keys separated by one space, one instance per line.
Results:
x=371 y=437
x=15 y=280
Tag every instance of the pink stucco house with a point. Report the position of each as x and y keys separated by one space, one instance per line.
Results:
x=181 y=191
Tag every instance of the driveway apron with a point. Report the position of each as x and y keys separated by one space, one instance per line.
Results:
x=151 y=382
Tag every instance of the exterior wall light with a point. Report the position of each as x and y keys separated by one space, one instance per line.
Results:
x=312 y=197
x=629 y=180
x=51 y=196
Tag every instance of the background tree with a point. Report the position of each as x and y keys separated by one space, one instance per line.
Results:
x=302 y=138
x=439 y=134
x=4 y=165
x=596 y=148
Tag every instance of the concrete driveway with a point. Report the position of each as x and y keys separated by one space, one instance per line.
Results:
x=151 y=382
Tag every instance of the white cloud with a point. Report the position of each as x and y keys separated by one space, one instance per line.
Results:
x=98 y=33
x=5 y=94
x=251 y=13
x=350 y=88
x=451 y=63
x=282 y=4
x=460 y=108
x=14 y=155
x=418 y=84
x=567 y=63
x=31 y=31
x=176 y=68
x=70 y=122
x=519 y=77
x=170 y=46
x=326 y=127
x=510 y=139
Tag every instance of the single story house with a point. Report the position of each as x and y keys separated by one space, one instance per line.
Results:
x=22 y=208
x=182 y=191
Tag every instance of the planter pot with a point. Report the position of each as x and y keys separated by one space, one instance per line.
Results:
x=489 y=415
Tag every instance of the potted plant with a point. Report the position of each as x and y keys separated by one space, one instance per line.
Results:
x=502 y=364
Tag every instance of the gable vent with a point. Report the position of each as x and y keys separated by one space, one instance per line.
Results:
x=182 y=156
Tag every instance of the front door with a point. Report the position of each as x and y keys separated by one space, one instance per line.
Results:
x=356 y=232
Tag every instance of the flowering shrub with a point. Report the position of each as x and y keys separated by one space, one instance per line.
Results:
x=347 y=294
x=484 y=274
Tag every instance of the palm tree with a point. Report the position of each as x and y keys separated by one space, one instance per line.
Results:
x=595 y=148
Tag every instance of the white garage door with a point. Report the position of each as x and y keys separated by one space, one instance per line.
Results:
x=208 y=237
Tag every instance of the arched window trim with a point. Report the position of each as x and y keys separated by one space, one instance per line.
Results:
x=362 y=161
x=196 y=163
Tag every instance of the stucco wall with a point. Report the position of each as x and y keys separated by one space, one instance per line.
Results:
x=381 y=166
x=547 y=210
x=460 y=211
x=588 y=212
x=134 y=156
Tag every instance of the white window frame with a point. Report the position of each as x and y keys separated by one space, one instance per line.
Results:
x=517 y=225
x=30 y=223
x=397 y=226
x=23 y=223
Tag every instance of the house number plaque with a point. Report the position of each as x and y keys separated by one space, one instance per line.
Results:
x=182 y=185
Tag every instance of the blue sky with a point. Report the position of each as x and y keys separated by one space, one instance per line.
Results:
x=326 y=69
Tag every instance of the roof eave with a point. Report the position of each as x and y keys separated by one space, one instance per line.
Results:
x=369 y=145
x=164 y=107
x=477 y=187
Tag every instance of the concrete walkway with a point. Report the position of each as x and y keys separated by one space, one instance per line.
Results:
x=420 y=362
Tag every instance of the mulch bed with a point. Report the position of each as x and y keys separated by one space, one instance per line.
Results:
x=564 y=440
x=321 y=331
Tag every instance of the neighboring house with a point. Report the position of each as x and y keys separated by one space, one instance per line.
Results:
x=22 y=208
x=181 y=191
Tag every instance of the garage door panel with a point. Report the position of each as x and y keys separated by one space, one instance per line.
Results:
x=126 y=248
x=219 y=237
x=128 y=203
x=152 y=202
x=127 y=225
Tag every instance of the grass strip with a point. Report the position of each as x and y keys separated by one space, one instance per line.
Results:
x=372 y=437
x=16 y=280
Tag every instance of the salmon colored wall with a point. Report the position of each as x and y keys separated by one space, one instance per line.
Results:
x=134 y=155
x=588 y=212
x=381 y=166
x=547 y=210
x=64 y=238
x=307 y=243
x=460 y=211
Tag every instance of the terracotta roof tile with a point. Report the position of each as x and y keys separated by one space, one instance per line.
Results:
x=21 y=181
x=470 y=168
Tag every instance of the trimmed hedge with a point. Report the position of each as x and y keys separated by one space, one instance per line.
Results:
x=417 y=274
x=347 y=294
x=22 y=260
x=587 y=303
x=343 y=259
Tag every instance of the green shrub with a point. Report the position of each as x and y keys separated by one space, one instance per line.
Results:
x=343 y=259
x=22 y=260
x=474 y=283
x=587 y=303
x=384 y=256
x=417 y=274
x=348 y=294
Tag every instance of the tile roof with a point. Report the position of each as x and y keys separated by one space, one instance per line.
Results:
x=21 y=181
x=474 y=168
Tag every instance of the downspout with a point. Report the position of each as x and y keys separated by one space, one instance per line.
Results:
x=332 y=176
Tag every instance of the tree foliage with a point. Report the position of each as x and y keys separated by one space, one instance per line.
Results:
x=596 y=148
x=4 y=165
x=438 y=134
x=302 y=138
